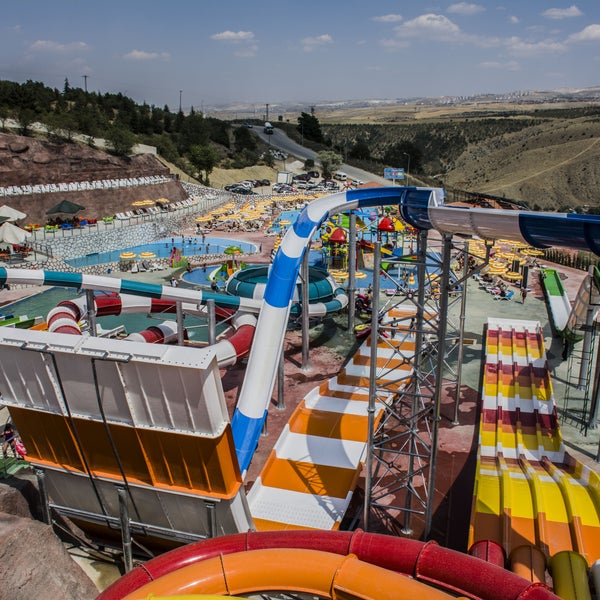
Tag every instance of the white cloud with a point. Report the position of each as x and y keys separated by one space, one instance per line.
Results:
x=429 y=25
x=465 y=8
x=311 y=43
x=513 y=19
x=562 y=13
x=247 y=51
x=143 y=55
x=591 y=33
x=244 y=40
x=56 y=48
x=234 y=37
x=391 y=18
x=392 y=45
x=510 y=65
x=519 y=47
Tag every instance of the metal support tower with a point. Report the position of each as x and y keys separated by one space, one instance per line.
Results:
x=409 y=385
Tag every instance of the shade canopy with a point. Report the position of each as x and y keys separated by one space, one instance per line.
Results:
x=338 y=236
x=386 y=224
x=11 y=234
x=11 y=214
x=65 y=207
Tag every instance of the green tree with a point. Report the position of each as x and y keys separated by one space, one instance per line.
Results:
x=4 y=115
x=244 y=140
x=25 y=118
x=204 y=158
x=120 y=140
x=269 y=159
x=309 y=164
x=399 y=155
x=54 y=123
x=310 y=128
x=330 y=162
x=361 y=151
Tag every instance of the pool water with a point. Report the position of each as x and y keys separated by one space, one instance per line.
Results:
x=203 y=276
x=189 y=246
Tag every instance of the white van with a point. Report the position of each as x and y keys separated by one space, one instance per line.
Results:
x=340 y=176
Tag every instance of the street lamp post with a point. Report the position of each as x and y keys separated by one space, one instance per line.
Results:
x=408 y=166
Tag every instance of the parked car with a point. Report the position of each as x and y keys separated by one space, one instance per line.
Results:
x=281 y=188
x=314 y=174
x=265 y=182
x=242 y=189
x=301 y=177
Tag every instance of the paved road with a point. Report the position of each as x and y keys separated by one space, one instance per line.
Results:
x=279 y=140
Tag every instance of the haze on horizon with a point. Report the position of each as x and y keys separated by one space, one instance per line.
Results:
x=262 y=52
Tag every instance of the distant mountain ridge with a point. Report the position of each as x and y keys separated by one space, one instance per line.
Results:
x=586 y=94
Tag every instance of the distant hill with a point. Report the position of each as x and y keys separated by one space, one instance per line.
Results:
x=547 y=158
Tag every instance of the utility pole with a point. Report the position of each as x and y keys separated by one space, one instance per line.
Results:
x=267 y=113
x=407 y=167
x=85 y=82
x=180 y=92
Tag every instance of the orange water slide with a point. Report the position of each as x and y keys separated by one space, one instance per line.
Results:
x=291 y=570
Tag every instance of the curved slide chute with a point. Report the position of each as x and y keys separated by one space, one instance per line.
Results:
x=286 y=560
x=125 y=296
x=422 y=208
x=325 y=294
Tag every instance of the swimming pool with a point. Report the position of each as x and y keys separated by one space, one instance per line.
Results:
x=189 y=246
x=202 y=276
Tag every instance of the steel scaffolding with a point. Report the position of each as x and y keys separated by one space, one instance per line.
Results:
x=401 y=454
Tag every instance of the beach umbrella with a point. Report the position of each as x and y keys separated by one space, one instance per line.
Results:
x=11 y=234
x=139 y=203
x=11 y=214
x=147 y=255
x=127 y=255
x=512 y=275
x=65 y=207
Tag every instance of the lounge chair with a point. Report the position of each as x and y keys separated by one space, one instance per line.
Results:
x=135 y=268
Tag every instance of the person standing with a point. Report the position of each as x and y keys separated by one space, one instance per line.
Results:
x=523 y=294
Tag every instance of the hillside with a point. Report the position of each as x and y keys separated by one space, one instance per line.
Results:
x=545 y=157
x=31 y=161
x=553 y=166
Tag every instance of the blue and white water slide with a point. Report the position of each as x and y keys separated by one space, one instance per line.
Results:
x=422 y=208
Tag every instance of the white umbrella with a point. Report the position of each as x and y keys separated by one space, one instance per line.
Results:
x=11 y=234
x=11 y=214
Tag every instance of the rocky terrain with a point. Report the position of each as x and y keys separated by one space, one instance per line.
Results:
x=30 y=161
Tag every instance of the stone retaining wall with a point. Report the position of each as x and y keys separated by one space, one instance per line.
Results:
x=147 y=232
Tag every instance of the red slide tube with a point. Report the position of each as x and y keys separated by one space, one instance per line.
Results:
x=427 y=562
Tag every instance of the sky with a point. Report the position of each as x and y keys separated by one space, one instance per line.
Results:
x=206 y=53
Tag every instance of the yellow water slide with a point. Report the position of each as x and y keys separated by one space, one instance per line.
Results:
x=531 y=497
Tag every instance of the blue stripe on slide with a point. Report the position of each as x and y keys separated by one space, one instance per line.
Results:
x=246 y=433
x=149 y=290
x=304 y=225
x=63 y=279
x=282 y=279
